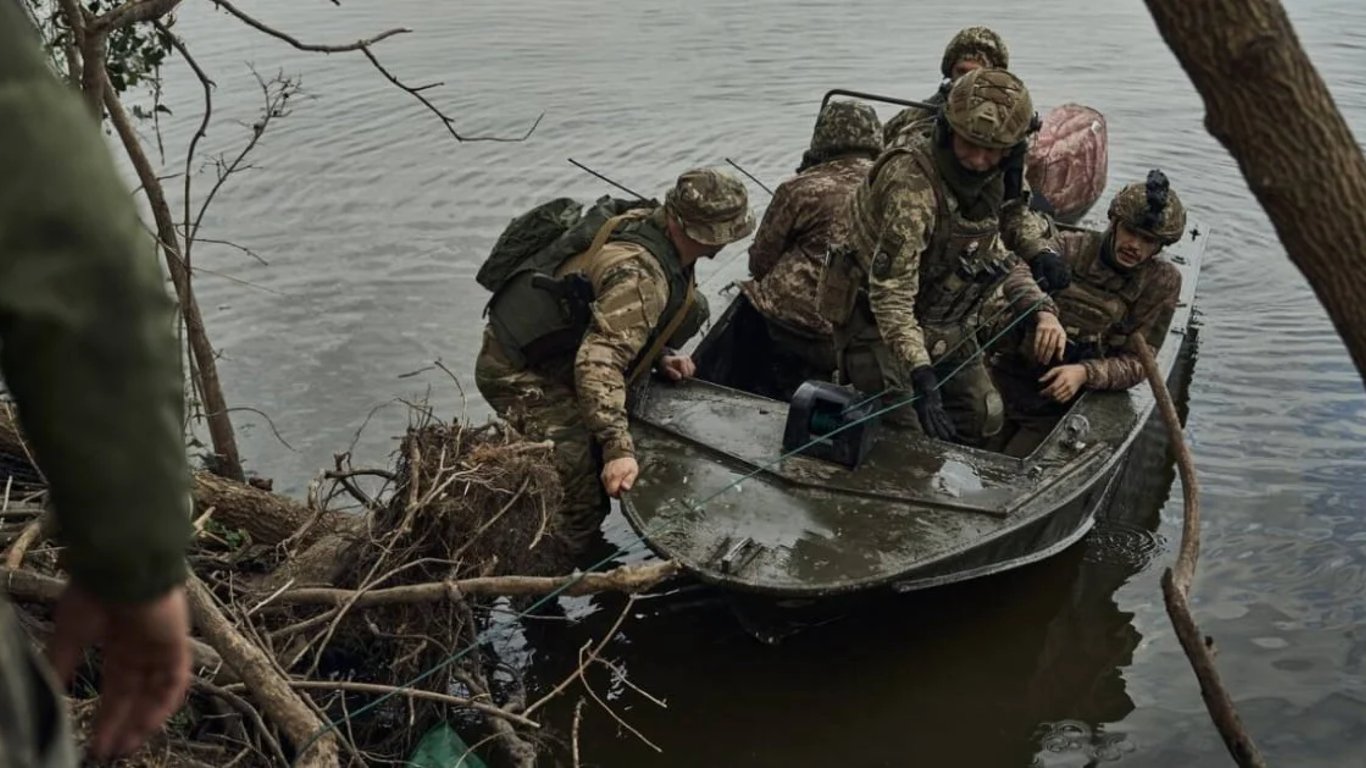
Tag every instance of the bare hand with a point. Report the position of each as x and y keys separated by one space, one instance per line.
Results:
x=619 y=475
x=677 y=367
x=1050 y=340
x=1064 y=382
x=146 y=667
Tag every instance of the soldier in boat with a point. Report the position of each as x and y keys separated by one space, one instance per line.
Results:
x=642 y=278
x=971 y=48
x=1120 y=289
x=803 y=221
x=924 y=252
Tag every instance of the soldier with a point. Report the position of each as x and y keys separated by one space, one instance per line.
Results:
x=1119 y=290
x=806 y=218
x=972 y=48
x=642 y=281
x=90 y=359
x=925 y=251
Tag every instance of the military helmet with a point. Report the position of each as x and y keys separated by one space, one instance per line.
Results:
x=990 y=107
x=976 y=43
x=711 y=205
x=846 y=126
x=1151 y=208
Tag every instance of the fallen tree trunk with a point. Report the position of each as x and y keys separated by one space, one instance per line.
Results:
x=268 y=518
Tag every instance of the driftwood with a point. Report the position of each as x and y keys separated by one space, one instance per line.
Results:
x=1176 y=583
x=298 y=722
x=267 y=517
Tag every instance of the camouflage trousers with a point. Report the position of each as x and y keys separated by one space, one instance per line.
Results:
x=34 y=732
x=545 y=407
x=970 y=397
x=1030 y=416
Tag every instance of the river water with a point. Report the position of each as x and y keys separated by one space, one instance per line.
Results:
x=373 y=221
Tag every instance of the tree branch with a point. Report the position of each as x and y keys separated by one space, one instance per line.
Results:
x=131 y=12
x=627 y=578
x=364 y=47
x=1176 y=584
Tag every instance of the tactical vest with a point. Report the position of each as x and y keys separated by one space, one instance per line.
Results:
x=543 y=329
x=958 y=267
x=1094 y=307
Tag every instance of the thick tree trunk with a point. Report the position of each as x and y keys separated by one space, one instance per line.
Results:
x=267 y=517
x=1268 y=106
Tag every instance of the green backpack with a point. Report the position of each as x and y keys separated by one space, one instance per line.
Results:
x=543 y=237
x=534 y=315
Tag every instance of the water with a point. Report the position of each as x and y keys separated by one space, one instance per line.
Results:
x=373 y=221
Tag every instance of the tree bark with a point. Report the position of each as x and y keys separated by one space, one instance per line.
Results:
x=1269 y=107
x=267 y=517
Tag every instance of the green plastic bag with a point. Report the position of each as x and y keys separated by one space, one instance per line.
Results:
x=442 y=747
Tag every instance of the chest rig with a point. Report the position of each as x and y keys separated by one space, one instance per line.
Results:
x=963 y=262
x=1095 y=308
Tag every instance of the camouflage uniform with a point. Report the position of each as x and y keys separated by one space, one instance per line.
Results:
x=90 y=360
x=1105 y=306
x=928 y=248
x=579 y=401
x=805 y=219
x=913 y=124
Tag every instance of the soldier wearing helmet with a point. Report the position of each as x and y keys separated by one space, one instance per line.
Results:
x=971 y=48
x=642 y=278
x=803 y=221
x=925 y=251
x=1119 y=289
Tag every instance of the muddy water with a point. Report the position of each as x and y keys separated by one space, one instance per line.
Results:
x=372 y=220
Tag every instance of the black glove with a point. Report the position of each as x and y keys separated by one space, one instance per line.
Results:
x=1050 y=271
x=1013 y=172
x=929 y=405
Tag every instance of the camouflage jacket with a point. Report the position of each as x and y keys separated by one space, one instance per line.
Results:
x=894 y=218
x=807 y=215
x=88 y=351
x=632 y=293
x=1155 y=287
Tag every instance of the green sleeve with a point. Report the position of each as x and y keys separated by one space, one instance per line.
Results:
x=86 y=336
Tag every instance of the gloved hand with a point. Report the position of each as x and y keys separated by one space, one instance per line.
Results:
x=1050 y=271
x=929 y=405
x=1013 y=171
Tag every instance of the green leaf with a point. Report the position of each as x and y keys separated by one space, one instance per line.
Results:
x=442 y=747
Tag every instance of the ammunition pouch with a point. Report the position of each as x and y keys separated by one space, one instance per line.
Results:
x=839 y=284
x=536 y=317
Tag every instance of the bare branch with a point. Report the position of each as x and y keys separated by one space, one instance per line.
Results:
x=132 y=12
x=208 y=85
x=231 y=244
x=269 y=421
x=412 y=693
x=277 y=34
x=364 y=47
x=1176 y=584
x=446 y=120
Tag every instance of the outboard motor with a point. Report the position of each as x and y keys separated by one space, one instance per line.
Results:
x=819 y=409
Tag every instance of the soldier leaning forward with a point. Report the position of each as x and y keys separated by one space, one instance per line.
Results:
x=925 y=251
x=804 y=220
x=641 y=281
x=1120 y=289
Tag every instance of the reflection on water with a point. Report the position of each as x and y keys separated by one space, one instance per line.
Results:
x=373 y=221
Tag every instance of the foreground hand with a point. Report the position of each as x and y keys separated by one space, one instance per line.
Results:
x=1064 y=382
x=146 y=666
x=929 y=405
x=1050 y=340
x=619 y=475
x=677 y=367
